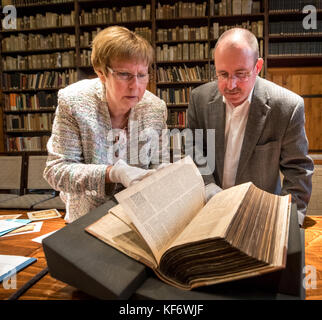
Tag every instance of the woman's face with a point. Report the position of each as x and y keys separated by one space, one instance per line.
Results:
x=125 y=83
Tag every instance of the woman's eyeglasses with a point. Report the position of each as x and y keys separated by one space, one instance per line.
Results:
x=127 y=76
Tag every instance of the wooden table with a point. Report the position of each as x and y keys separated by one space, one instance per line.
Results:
x=313 y=254
x=48 y=288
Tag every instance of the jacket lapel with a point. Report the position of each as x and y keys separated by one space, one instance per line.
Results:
x=258 y=112
x=216 y=118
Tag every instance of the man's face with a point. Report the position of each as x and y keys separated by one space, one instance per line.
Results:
x=237 y=70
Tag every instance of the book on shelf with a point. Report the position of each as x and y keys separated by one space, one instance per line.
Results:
x=164 y=222
x=40 y=80
x=177 y=119
x=176 y=96
x=256 y=27
x=115 y=15
x=30 y=122
x=184 y=51
x=181 y=10
x=285 y=6
x=27 y=143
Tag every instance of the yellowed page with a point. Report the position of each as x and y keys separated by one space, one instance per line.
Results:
x=119 y=212
x=163 y=204
x=213 y=220
x=116 y=233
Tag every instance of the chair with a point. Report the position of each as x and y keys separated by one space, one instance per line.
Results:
x=54 y=203
x=37 y=190
x=11 y=182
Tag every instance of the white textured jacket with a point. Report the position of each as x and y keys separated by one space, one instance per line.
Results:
x=80 y=147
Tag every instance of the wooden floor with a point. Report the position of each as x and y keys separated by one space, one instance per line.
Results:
x=313 y=255
x=49 y=288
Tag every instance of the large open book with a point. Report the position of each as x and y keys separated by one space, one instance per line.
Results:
x=163 y=222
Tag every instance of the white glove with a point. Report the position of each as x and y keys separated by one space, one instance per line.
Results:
x=211 y=189
x=121 y=172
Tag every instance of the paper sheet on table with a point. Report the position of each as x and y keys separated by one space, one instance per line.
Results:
x=29 y=228
x=10 y=265
x=40 y=239
x=11 y=224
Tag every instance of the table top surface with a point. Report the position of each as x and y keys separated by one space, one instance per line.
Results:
x=49 y=288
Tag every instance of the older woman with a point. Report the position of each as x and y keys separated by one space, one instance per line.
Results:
x=107 y=131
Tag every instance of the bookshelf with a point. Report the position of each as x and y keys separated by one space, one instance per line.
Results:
x=38 y=58
x=51 y=48
x=293 y=38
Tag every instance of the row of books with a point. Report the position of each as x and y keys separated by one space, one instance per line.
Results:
x=182 y=51
x=174 y=96
x=115 y=15
x=40 y=61
x=181 y=34
x=27 y=143
x=38 y=41
x=177 y=119
x=184 y=73
x=308 y=48
x=48 y=20
x=256 y=27
x=32 y=2
x=293 y=28
x=29 y=122
x=201 y=33
x=234 y=7
x=181 y=9
x=85 y=58
x=38 y=101
x=41 y=80
x=222 y=8
x=87 y=37
x=292 y=5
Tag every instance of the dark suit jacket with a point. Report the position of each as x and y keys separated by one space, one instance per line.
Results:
x=275 y=140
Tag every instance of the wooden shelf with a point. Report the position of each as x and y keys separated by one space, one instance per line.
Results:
x=294 y=61
x=183 y=83
x=28 y=133
x=38 y=69
x=30 y=90
x=41 y=110
x=32 y=51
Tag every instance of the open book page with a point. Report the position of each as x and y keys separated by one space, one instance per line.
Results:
x=162 y=205
x=116 y=233
x=214 y=218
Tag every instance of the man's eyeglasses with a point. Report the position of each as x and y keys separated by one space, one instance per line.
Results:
x=242 y=76
x=127 y=76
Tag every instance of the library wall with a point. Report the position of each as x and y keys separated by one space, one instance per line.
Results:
x=51 y=48
x=307 y=83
